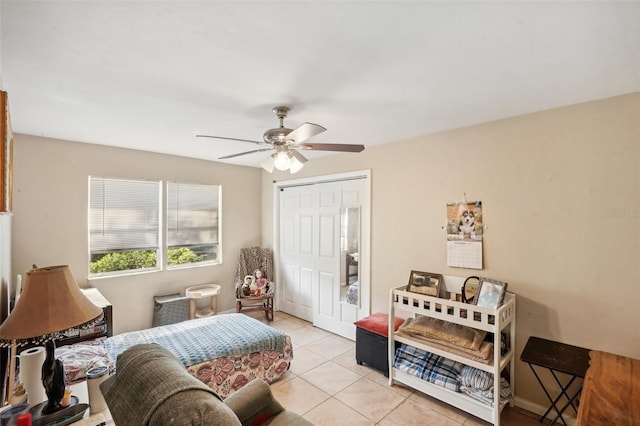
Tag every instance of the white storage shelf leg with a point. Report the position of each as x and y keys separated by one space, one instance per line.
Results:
x=494 y=321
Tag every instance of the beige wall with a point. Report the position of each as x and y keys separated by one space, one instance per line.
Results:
x=50 y=217
x=552 y=185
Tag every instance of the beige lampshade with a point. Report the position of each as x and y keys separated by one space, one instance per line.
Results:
x=51 y=301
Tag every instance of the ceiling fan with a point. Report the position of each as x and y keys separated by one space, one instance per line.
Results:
x=287 y=142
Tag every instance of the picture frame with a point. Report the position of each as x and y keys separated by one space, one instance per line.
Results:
x=426 y=283
x=490 y=293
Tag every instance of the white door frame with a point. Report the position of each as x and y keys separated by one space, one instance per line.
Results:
x=365 y=236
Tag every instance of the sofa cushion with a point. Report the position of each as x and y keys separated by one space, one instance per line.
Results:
x=171 y=395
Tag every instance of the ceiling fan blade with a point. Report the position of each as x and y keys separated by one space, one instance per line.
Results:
x=304 y=132
x=244 y=153
x=330 y=147
x=232 y=139
x=301 y=158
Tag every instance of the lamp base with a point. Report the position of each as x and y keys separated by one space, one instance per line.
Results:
x=64 y=416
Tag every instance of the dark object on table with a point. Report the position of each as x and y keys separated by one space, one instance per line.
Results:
x=62 y=417
x=53 y=378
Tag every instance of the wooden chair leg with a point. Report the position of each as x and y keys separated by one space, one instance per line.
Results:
x=269 y=309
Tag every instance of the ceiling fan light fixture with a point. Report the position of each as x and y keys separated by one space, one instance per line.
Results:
x=282 y=161
x=296 y=165
x=268 y=164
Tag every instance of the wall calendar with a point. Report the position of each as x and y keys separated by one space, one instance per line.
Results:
x=464 y=235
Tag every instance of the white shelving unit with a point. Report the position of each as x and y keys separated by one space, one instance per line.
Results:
x=494 y=321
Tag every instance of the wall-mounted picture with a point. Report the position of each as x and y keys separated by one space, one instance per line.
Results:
x=464 y=221
x=424 y=283
x=490 y=293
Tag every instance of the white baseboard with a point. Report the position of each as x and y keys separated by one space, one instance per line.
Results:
x=568 y=415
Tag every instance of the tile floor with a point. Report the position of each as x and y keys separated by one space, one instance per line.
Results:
x=328 y=387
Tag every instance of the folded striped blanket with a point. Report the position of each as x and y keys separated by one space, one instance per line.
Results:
x=486 y=396
x=428 y=366
x=198 y=340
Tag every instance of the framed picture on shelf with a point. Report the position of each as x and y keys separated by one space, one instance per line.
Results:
x=424 y=283
x=490 y=293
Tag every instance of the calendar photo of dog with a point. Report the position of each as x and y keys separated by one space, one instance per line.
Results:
x=464 y=221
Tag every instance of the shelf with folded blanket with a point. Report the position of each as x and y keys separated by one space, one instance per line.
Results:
x=447 y=350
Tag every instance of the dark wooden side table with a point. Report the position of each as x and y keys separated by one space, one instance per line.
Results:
x=557 y=357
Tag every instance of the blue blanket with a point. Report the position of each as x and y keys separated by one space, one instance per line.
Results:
x=428 y=366
x=198 y=340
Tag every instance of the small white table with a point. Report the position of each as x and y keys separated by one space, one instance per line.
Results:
x=201 y=291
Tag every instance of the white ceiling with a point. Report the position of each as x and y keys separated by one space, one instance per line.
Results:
x=150 y=75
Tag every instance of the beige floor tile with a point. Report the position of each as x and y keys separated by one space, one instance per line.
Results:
x=299 y=321
x=330 y=377
x=279 y=315
x=333 y=412
x=412 y=413
x=286 y=376
x=305 y=335
x=330 y=346
x=343 y=340
x=439 y=406
x=286 y=325
x=379 y=378
x=370 y=399
x=305 y=360
x=298 y=395
x=348 y=360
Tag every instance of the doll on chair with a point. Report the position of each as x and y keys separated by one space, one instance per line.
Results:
x=260 y=283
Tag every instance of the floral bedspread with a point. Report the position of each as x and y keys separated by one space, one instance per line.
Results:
x=228 y=374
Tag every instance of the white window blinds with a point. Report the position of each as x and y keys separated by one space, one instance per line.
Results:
x=192 y=215
x=123 y=215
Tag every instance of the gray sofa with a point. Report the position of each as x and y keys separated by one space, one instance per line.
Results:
x=152 y=387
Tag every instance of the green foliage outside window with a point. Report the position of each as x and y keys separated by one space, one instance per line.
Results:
x=181 y=255
x=141 y=259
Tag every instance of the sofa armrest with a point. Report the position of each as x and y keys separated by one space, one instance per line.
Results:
x=254 y=403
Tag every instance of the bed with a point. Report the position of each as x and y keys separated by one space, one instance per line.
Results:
x=223 y=351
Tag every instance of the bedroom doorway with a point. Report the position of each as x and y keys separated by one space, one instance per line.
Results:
x=322 y=250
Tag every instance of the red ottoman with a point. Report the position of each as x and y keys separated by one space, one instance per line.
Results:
x=372 y=341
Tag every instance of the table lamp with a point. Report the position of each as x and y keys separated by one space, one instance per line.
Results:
x=51 y=302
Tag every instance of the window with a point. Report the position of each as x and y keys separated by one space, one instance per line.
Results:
x=192 y=223
x=125 y=232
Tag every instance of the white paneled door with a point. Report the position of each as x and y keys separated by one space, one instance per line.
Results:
x=310 y=254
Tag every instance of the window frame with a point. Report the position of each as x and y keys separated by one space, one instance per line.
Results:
x=163 y=230
x=165 y=235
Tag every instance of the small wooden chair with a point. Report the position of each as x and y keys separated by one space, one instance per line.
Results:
x=264 y=302
x=250 y=260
